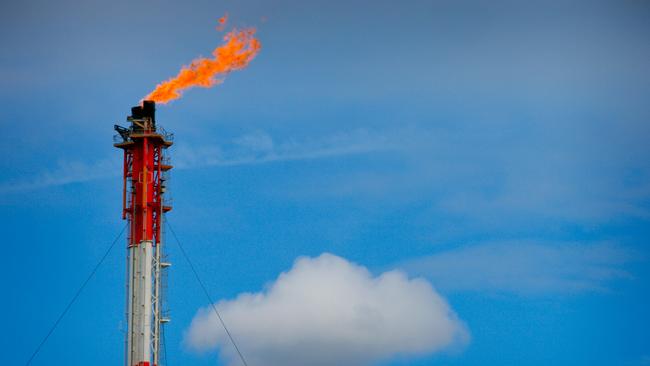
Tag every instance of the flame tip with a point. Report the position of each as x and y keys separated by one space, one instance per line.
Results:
x=239 y=50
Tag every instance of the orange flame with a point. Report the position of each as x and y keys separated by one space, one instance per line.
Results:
x=222 y=22
x=239 y=49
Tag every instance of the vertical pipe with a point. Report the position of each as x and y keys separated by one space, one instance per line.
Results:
x=158 y=259
x=126 y=169
x=145 y=184
x=133 y=291
x=147 y=247
x=129 y=305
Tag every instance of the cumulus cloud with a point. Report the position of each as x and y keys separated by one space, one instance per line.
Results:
x=327 y=311
x=525 y=267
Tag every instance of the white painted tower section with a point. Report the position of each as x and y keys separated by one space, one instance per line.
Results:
x=140 y=303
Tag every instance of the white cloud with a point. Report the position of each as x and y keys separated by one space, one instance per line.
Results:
x=525 y=267
x=328 y=311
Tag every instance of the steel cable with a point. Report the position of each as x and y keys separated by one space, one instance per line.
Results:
x=207 y=295
x=74 y=298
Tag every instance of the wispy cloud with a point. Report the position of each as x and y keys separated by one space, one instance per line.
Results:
x=525 y=267
x=260 y=148
x=250 y=149
x=66 y=172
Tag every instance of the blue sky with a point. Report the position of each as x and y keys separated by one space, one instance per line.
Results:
x=496 y=149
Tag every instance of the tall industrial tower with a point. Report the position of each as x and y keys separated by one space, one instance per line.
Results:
x=143 y=205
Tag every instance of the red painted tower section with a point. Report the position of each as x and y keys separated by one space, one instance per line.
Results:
x=143 y=167
x=145 y=175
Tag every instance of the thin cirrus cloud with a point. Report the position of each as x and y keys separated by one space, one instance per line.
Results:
x=525 y=267
x=250 y=149
x=259 y=148
x=327 y=311
x=66 y=172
